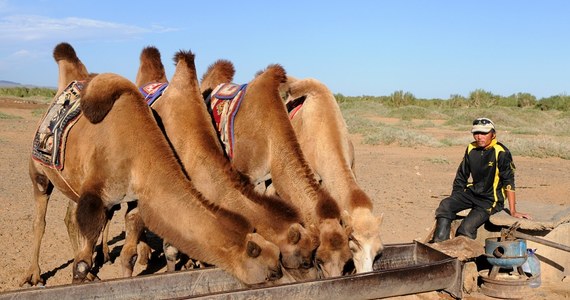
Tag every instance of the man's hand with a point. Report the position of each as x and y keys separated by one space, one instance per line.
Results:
x=521 y=215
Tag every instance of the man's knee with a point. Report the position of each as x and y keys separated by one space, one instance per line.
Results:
x=471 y=223
x=444 y=209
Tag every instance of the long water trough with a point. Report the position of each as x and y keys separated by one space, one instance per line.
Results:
x=402 y=269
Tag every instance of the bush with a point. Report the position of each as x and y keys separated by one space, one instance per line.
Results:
x=24 y=92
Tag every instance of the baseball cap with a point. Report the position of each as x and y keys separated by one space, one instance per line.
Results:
x=483 y=125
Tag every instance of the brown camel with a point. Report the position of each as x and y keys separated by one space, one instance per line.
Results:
x=116 y=153
x=187 y=124
x=323 y=135
x=265 y=147
x=71 y=67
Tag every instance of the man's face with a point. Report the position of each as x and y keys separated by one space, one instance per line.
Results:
x=483 y=139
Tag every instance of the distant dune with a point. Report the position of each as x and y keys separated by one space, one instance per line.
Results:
x=10 y=84
x=6 y=83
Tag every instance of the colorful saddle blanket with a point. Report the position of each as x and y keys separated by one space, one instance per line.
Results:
x=49 y=141
x=293 y=106
x=152 y=91
x=224 y=103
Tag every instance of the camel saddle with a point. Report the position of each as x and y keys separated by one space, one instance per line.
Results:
x=223 y=105
x=152 y=91
x=294 y=105
x=48 y=146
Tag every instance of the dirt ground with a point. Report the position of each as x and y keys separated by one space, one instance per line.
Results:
x=406 y=184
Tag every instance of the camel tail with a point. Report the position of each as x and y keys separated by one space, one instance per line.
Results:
x=100 y=93
x=151 y=68
x=64 y=51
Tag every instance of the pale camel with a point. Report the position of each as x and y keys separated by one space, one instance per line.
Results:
x=116 y=153
x=265 y=147
x=323 y=135
x=187 y=124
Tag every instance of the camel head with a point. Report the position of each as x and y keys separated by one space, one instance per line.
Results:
x=365 y=242
x=333 y=252
x=151 y=68
x=260 y=261
x=297 y=246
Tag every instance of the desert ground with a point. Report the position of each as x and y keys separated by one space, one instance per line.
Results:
x=406 y=183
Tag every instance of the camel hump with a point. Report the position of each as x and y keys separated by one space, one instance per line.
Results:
x=184 y=56
x=273 y=72
x=221 y=71
x=151 y=69
x=308 y=86
x=100 y=93
x=151 y=54
x=64 y=51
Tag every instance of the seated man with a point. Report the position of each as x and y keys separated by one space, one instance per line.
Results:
x=490 y=167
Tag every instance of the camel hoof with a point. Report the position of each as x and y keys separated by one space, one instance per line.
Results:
x=133 y=261
x=80 y=272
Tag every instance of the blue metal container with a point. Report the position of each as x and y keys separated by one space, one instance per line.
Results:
x=505 y=254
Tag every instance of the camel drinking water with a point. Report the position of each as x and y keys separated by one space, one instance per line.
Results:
x=185 y=120
x=323 y=135
x=265 y=147
x=116 y=153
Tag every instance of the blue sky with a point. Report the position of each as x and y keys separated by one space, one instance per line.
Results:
x=432 y=49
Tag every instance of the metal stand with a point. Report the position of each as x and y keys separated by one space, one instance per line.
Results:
x=495 y=270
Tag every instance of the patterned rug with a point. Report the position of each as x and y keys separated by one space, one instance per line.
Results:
x=224 y=104
x=49 y=141
x=152 y=91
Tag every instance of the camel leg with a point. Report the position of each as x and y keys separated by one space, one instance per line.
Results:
x=171 y=254
x=91 y=217
x=71 y=225
x=144 y=249
x=105 y=234
x=42 y=191
x=134 y=227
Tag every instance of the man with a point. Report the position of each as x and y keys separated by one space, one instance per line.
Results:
x=485 y=176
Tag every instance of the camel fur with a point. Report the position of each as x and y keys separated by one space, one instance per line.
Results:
x=266 y=148
x=116 y=153
x=187 y=124
x=324 y=139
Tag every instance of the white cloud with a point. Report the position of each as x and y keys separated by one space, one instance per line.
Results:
x=27 y=28
x=23 y=54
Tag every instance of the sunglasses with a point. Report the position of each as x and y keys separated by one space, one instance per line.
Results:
x=482 y=122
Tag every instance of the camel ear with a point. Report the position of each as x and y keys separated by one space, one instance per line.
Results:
x=315 y=234
x=294 y=235
x=253 y=249
x=346 y=223
x=346 y=219
x=380 y=219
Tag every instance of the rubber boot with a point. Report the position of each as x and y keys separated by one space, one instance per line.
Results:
x=442 y=228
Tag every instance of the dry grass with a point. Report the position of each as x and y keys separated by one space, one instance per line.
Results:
x=527 y=132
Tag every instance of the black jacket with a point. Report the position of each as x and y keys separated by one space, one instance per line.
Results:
x=486 y=173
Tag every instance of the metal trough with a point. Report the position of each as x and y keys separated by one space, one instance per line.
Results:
x=402 y=269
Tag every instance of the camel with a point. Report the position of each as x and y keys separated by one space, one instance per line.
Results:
x=187 y=125
x=71 y=67
x=116 y=153
x=323 y=135
x=265 y=147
